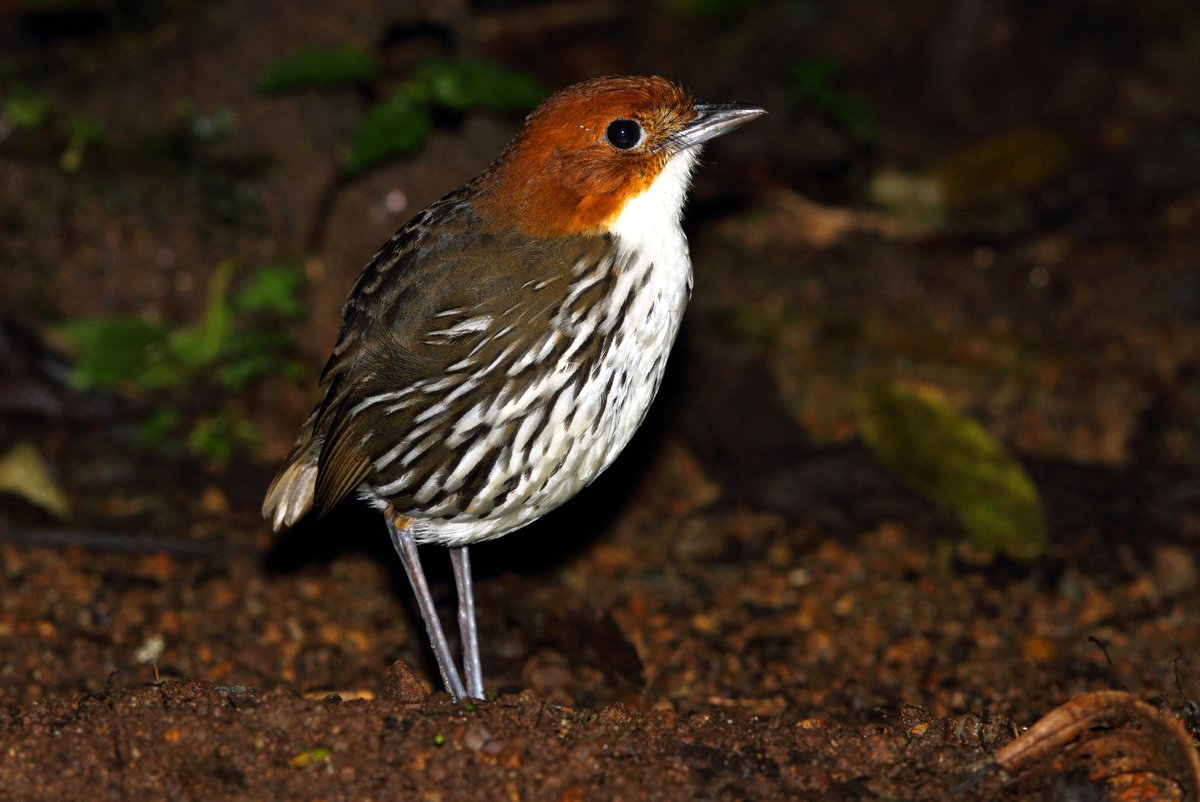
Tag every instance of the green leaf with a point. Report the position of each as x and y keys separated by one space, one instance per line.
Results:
x=274 y=289
x=952 y=460
x=396 y=125
x=237 y=374
x=316 y=67
x=463 y=84
x=255 y=353
x=158 y=426
x=27 y=109
x=217 y=436
x=195 y=347
x=110 y=350
x=318 y=754
x=81 y=132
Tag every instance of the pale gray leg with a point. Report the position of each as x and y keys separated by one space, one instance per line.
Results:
x=406 y=547
x=467 y=630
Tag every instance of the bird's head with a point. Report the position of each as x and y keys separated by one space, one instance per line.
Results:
x=592 y=147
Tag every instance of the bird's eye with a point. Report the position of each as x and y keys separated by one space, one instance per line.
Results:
x=623 y=134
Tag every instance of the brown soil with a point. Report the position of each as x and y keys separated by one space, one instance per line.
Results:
x=747 y=606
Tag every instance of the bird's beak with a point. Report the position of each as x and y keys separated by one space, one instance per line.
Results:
x=714 y=119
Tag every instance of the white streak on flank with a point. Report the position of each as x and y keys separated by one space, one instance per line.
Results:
x=450 y=312
x=616 y=299
x=467 y=463
x=525 y=431
x=548 y=347
x=418 y=432
x=431 y=412
x=394 y=408
x=539 y=284
x=478 y=347
x=580 y=287
x=470 y=419
x=534 y=355
x=509 y=408
x=581 y=267
x=437 y=385
x=582 y=335
x=389 y=457
x=391 y=487
x=468 y=326
x=464 y=388
x=372 y=400
x=500 y=358
x=429 y=488
x=419 y=449
x=553 y=444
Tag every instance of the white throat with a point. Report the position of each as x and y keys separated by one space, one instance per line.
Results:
x=652 y=217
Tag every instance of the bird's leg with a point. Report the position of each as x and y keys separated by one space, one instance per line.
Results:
x=400 y=529
x=467 y=631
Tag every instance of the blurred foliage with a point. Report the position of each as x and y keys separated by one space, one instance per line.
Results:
x=402 y=121
x=953 y=461
x=992 y=178
x=318 y=68
x=815 y=85
x=237 y=340
x=462 y=84
x=1002 y=167
x=914 y=197
x=26 y=110
x=274 y=289
x=110 y=350
x=81 y=133
x=219 y=435
x=392 y=127
x=193 y=144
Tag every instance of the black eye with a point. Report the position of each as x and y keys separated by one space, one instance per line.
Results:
x=623 y=134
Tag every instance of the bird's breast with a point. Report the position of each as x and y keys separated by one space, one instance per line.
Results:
x=563 y=405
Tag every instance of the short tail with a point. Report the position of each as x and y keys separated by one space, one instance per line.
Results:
x=290 y=496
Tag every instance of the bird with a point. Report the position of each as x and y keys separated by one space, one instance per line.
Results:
x=501 y=348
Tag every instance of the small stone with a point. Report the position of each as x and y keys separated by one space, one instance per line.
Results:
x=475 y=740
x=1174 y=570
x=616 y=714
x=546 y=672
x=401 y=684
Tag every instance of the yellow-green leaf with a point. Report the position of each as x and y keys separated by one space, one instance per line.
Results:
x=24 y=472
x=953 y=461
x=318 y=754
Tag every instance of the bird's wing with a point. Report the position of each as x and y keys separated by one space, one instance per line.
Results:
x=440 y=302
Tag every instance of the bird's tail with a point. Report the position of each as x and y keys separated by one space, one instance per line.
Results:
x=291 y=494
